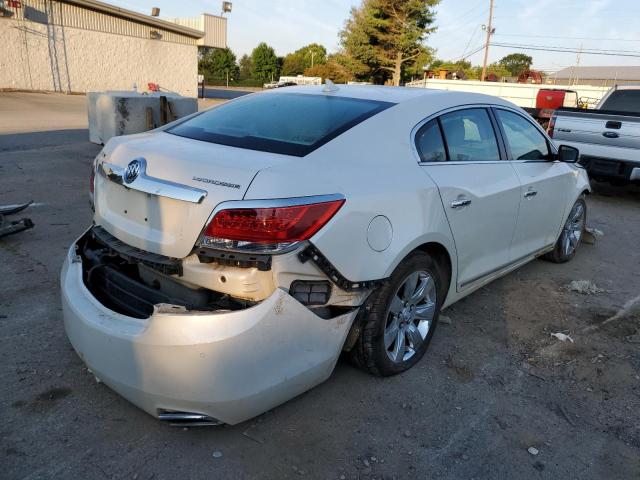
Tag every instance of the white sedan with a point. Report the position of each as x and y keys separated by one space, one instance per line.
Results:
x=236 y=253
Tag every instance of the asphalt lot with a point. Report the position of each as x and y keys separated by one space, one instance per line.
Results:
x=226 y=93
x=493 y=383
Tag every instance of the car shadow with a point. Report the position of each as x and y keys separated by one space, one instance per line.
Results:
x=619 y=192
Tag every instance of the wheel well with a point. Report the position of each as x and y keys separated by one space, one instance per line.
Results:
x=442 y=259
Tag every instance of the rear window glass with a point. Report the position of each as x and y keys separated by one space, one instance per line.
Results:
x=623 y=101
x=287 y=123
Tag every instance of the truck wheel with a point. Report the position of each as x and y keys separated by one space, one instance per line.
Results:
x=571 y=235
x=401 y=317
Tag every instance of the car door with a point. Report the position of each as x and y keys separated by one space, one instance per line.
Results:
x=480 y=192
x=545 y=183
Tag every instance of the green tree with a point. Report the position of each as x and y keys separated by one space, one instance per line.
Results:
x=217 y=63
x=516 y=63
x=245 y=67
x=330 y=69
x=264 y=63
x=295 y=63
x=384 y=36
x=415 y=68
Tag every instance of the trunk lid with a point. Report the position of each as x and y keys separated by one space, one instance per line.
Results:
x=163 y=225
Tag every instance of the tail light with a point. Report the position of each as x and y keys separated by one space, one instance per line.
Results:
x=268 y=229
x=551 y=126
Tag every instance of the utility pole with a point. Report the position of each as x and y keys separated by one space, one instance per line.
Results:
x=575 y=80
x=490 y=30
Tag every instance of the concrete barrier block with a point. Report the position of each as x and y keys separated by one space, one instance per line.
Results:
x=115 y=113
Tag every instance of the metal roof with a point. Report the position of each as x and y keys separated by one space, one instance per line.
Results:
x=600 y=73
x=136 y=17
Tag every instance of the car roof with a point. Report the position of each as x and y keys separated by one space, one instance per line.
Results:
x=392 y=94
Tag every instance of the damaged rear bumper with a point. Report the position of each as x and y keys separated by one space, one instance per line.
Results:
x=227 y=365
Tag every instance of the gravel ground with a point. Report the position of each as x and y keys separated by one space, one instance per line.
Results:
x=493 y=384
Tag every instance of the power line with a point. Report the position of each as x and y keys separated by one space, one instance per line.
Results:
x=569 y=38
x=472 y=52
x=611 y=53
x=607 y=50
x=473 y=35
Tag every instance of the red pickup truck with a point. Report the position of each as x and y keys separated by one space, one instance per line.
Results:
x=549 y=100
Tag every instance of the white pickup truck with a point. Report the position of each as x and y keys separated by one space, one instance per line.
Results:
x=608 y=137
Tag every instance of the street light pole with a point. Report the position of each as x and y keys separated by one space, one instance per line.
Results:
x=490 y=31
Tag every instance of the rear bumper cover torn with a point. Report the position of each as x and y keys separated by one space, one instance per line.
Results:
x=227 y=365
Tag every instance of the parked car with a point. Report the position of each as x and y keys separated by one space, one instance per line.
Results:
x=608 y=137
x=270 y=85
x=235 y=254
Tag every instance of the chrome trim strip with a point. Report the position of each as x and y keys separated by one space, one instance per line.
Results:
x=151 y=185
x=417 y=127
x=265 y=203
x=507 y=267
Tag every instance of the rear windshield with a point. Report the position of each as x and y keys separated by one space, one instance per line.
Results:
x=287 y=123
x=623 y=101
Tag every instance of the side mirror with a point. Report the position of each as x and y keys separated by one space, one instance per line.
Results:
x=568 y=154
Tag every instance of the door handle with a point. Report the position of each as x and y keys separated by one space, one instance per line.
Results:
x=462 y=202
x=530 y=193
x=610 y=134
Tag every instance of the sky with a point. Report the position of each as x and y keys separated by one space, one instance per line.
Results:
x=287 y=25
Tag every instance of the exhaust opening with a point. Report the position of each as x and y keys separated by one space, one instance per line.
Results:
x=187 y=419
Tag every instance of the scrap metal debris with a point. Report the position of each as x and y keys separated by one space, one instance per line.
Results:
x=585 y=287
x=7 y=227
x=591 y=235
x=562 y=337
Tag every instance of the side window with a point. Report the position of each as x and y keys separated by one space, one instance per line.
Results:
x=524 y=140
x=469 y=135
x=429 y=143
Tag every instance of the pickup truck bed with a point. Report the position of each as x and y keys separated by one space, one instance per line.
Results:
x=608 y=140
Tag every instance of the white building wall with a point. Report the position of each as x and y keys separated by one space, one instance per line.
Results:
x=55 y=57
x=213 y=26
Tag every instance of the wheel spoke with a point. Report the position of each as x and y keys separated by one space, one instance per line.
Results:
x=410 y=285
x=426 y=311
x=415 y=338
x=398 y=351
x=396 y=305
x=422 y=290
x=390 y=333
x=566 y=242
x=577 y=213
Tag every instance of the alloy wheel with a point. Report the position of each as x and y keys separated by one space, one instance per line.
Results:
x=410 y=316
x=572 y=231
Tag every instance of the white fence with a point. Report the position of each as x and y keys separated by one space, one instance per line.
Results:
x=522 y=94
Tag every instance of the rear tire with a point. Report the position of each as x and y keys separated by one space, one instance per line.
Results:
x=401 y=317
x=571 y=234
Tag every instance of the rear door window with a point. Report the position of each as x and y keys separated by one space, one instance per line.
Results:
x=286 y=123
x=623 y=101
x=470 y=136
x=429 y=143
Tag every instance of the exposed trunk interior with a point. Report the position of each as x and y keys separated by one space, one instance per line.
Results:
x=131 y=282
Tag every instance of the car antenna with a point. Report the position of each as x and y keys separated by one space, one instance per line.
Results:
x=329 y=86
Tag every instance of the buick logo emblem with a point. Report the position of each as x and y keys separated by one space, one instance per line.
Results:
x=132 y=171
